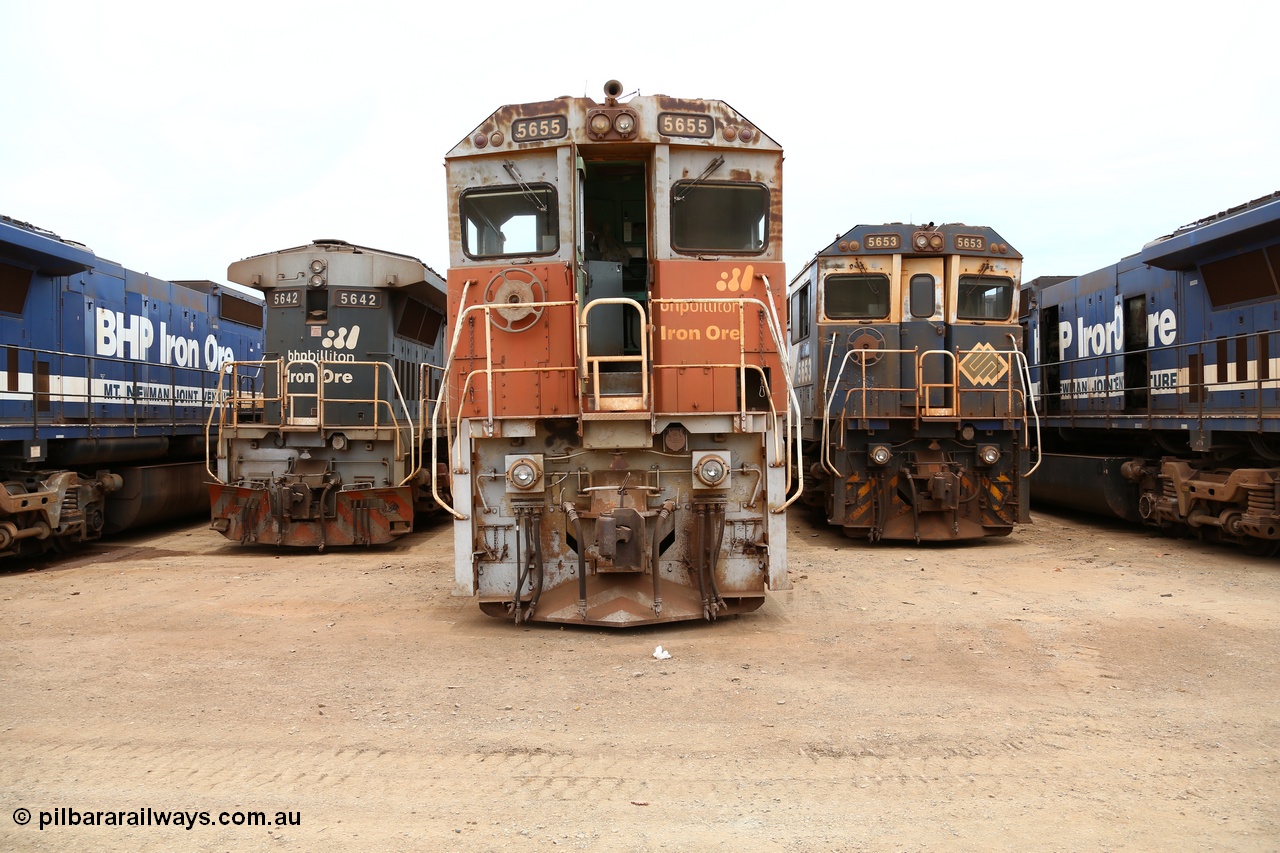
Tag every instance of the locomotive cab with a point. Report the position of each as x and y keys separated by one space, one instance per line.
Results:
x=614 y=390
x=329 y=452
x=911 y=382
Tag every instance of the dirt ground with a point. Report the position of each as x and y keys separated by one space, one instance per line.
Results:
x=1066 y=688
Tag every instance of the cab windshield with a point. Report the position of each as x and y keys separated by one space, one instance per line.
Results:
x=984 y=297
x=856 y=297
x=708 y=217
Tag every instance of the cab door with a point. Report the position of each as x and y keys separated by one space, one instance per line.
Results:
x=929 y=370
x=614 y=361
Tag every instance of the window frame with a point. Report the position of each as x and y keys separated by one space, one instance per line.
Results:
x=837 y=276
x=1010 y=289
x=696 y=185
x=552 y=218
x=799 y=314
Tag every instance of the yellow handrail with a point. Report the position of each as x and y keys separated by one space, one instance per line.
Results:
x=587 y=368
x=589 y=365
x=233 y=402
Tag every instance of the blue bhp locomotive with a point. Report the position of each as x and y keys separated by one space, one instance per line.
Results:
x=106 y=376
x=1157 y=380
x=329 y=450
x=911 y=383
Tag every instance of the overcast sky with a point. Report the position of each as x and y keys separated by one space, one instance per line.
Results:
x=177 y=138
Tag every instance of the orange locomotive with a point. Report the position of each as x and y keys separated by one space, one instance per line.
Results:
x=616 y=396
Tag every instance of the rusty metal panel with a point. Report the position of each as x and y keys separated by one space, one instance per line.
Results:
x=252 y=515
x=505 y=128
x=534 y=367
x=621 y=516
x=533 y=167
x=720 y=330
x=760 y=167
x=344 y=263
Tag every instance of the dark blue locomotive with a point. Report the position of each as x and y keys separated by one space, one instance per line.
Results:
x=106 y=377
x=911 y=384
x=332 y=450
x=1158 y=381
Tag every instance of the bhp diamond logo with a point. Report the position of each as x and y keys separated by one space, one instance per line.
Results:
x=984 y=366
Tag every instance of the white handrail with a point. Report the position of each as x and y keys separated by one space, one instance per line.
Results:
x=1025 y=375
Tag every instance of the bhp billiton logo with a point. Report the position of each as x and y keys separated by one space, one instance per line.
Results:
x=731 y=283
x=984 y=366
x=341 y=339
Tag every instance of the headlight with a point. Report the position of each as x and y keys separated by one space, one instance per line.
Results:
x=600 y=124
x=625 y=123
x=339 y=441
x=927 y=241
x=710 y=470
x=880 y=454
x=524 y=473
x=989 y=454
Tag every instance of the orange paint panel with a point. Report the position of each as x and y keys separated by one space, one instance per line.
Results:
x=531 y=343
x=699 y=321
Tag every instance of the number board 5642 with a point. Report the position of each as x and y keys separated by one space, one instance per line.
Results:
x=359 y=298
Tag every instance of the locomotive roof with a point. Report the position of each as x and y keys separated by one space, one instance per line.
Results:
x=1231 y=229
x=906 y=229
x=647 y=107
x=43 y=250
x=271 y=269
